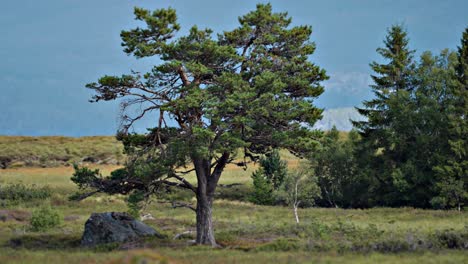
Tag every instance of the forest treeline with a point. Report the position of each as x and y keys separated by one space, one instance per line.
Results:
x=412 y=148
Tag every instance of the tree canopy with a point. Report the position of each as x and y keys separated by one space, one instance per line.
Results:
x=249 y=89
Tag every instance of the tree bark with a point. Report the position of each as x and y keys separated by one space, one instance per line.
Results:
x=205 y=231
x=295 y=213
x=207 y=182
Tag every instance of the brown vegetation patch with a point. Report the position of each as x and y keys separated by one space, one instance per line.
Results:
x=14 y=215
x=71 y=217
x=143 y=256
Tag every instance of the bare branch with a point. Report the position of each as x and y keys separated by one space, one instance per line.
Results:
x=175 y=204
x=84 y=196
x=184 y=181
x=177 y=236
x=186 y=172
x=186 y=205
x=175 y=184
x=130 y=121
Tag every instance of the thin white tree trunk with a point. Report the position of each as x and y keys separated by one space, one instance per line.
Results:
x=296 y=203
x=295 y=214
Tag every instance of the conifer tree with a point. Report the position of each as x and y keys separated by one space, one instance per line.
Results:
x=452 y=185
x=385 y=139
x=435 y=75
x=250 y=88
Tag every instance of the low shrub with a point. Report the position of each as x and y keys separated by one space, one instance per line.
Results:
x=452 y=239
x=45 y=218
x=281 y=244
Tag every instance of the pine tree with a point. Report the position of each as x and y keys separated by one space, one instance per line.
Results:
x=385 y=137
x=251 y=88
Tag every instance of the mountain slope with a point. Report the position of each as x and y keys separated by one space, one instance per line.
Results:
x=340 y=117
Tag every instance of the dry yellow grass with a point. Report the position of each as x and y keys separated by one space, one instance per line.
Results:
x=60 y=176
x=18 y=151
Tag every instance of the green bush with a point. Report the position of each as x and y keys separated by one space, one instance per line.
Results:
x=452 y=239
x=45 y=218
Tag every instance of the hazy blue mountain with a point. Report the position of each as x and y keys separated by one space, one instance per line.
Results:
x=340 y=117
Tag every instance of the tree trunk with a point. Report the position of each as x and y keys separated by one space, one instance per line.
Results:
x=296 y=202
x=207 y=181
x=205 y=231
x=295 y=213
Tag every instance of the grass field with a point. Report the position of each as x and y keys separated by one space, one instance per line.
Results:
x=53 y=151
x=57 y=151
x=247 y=233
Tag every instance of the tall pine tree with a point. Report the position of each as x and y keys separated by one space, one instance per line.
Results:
x=385 y=138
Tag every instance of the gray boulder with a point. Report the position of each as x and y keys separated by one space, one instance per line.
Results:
x=113 y=227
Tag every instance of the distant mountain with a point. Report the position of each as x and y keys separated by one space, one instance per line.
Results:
x=340 y=117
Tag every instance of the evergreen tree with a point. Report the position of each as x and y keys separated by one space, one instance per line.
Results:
x=268 y=178
x=452 y=185
x=274 y=169
x=385 y=137
x=435 y=76
x=251 y=88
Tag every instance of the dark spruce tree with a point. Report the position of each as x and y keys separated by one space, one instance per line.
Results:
x=386 y=141
x=452 y=172
x=251 y=88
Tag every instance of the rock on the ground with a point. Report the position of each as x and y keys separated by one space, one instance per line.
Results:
x=113 y=227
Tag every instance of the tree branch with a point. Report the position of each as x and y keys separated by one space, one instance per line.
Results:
x=214 y=177
x=180 y=204
x=185 y=183
x=183 y=76
x=83 y=196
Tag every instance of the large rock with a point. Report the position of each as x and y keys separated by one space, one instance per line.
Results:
x=114 y=227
